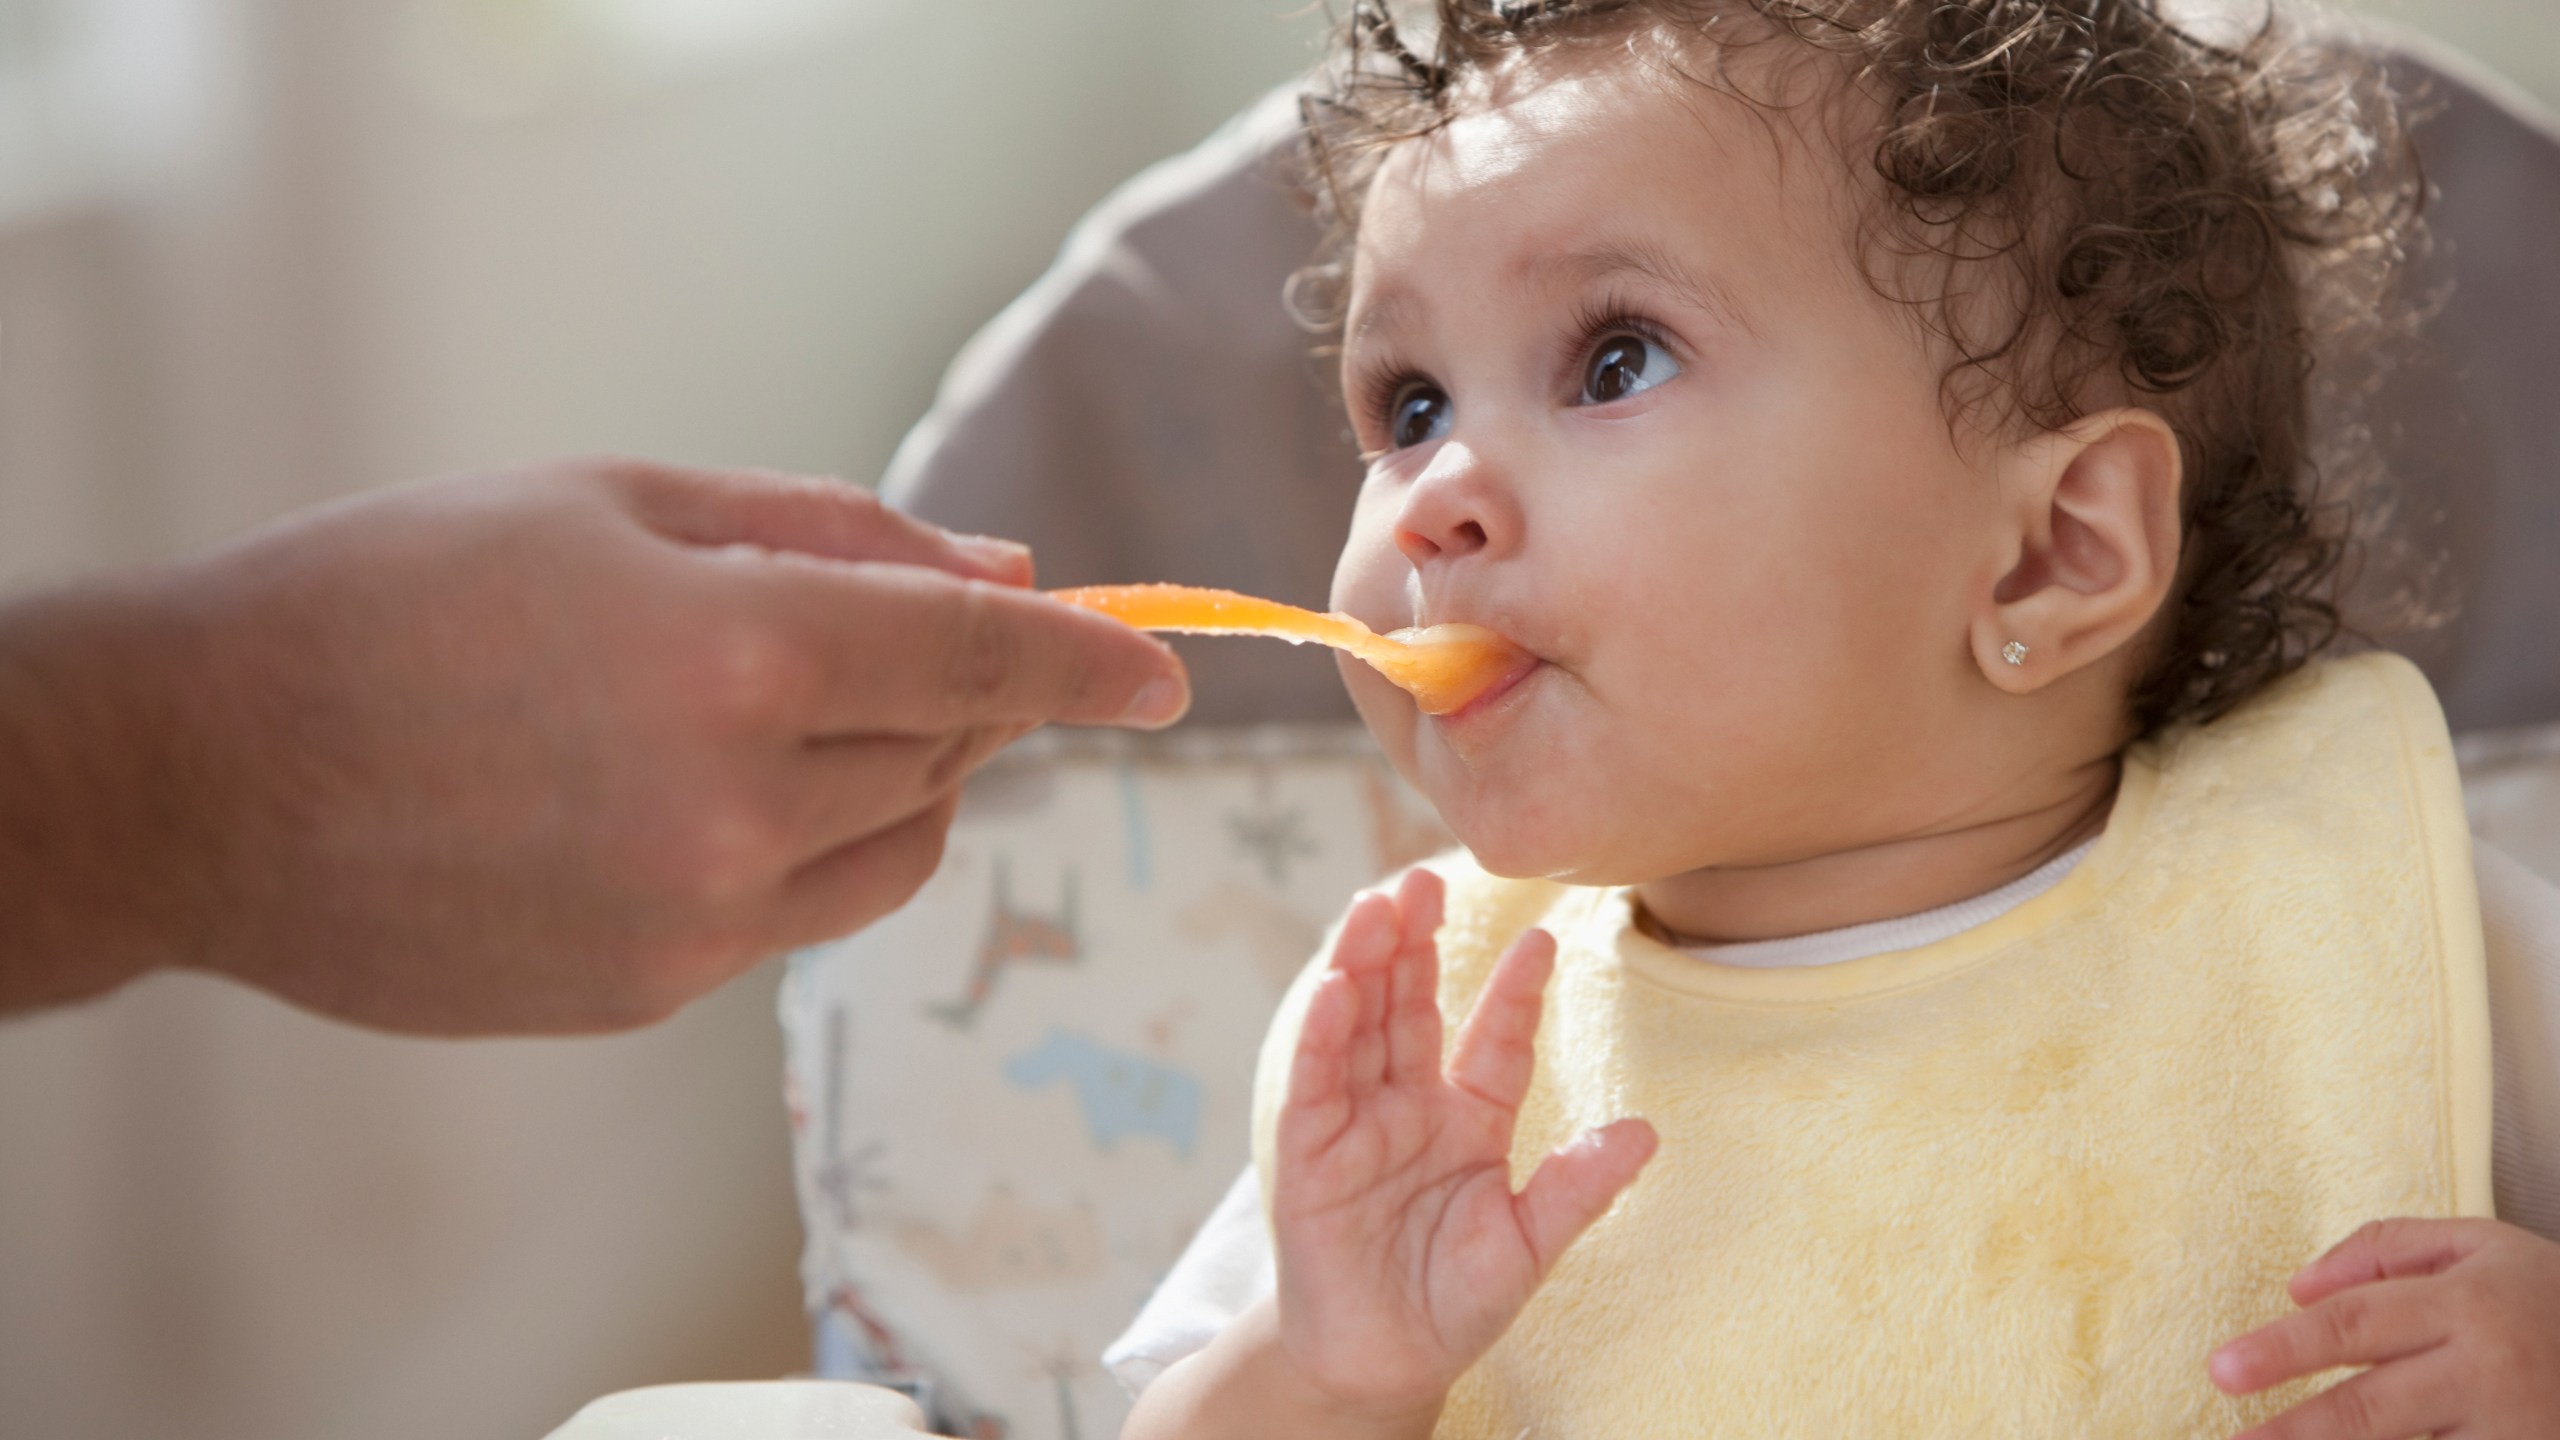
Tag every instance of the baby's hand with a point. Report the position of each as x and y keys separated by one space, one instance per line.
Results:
x=2460 y=1320
x=1403 y=1254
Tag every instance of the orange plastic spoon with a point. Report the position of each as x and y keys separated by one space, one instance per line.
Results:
x=1444 y=666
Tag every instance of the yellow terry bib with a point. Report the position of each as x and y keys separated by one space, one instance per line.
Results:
x=2020 y=1182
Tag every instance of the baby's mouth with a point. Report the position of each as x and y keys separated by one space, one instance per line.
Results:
x=1494 y=664
x=1503 y=682
x=1448 y=667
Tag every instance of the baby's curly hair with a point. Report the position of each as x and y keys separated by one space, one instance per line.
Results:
x=2171 y=221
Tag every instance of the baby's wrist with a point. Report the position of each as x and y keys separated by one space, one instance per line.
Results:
x=1247 y=1386
x=1407 y=1416
x=1335 y=1405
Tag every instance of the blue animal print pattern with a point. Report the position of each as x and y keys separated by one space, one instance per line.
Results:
x=1013 y=1101
x=1120 y=1094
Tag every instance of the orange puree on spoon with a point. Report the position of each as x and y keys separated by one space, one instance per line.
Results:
x=1444 y=666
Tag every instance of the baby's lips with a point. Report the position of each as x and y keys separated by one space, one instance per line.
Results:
x=1446 y=667
x=1442 y=666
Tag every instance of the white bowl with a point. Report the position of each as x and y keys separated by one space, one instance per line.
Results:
x=756 y=1410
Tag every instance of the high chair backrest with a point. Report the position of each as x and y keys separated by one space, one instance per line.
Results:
x=1149 y=411
x=2470 y=422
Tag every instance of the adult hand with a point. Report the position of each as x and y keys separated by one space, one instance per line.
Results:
x=551 y=750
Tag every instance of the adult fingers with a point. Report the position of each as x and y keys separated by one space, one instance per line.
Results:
x=2367 y=1325
x=2389 y=1249
x=2404 y=1401
x=828 y=518
x=1496 y=1053
x=837 y=790
x=1575 y=1185
x=847 y=888
x=915 y=651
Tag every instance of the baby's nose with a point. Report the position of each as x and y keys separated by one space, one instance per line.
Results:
x=1456 y=509
x=1467 y=537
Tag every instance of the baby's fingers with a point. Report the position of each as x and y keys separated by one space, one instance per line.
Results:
x=2367 y=1325
x=1575 y=1185
x=1420 y=898
x=1413 y=998
x=2408 y=1400
x=1363 y=966
x=1496 y=1054
x=1344 y=1042
x=1320 y=1087
x=2389 y=1250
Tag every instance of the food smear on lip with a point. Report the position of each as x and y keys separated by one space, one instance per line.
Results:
x=1442 y=666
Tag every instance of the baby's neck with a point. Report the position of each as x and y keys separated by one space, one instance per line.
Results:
x=1903 y=876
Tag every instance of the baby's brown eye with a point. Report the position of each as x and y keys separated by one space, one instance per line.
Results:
x=1623 y=364
x=1420 y=412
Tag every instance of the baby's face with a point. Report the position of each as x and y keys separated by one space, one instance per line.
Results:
x=1630 y=403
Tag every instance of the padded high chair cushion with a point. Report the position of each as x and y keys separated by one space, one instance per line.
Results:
x=1015 y=1100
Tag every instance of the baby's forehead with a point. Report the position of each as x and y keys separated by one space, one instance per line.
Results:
x=1790 y=100
x=1565 y=175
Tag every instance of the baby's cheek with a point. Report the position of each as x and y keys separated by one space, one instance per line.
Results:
x=1370 y=575
x=1387 y=711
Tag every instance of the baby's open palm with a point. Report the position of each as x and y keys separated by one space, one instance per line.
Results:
x=1403 y=1253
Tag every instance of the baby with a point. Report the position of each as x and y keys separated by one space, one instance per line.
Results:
x=1883 y=422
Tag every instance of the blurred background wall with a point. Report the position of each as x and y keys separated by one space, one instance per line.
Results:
x=256 y=253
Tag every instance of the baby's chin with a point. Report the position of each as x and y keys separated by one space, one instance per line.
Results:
x=1550 y=828
x=1522 y=840
x=1513 y=830
x=1518 y=810
x=1539 y=861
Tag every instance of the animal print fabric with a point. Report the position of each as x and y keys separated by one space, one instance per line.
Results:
x=1014 y=1101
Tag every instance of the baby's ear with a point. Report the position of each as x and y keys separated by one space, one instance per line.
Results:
x=2092 y=511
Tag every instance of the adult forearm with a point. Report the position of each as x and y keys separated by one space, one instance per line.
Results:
x=107 y=808
x=1243 y=1387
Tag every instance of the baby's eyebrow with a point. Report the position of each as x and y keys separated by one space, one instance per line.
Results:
x=1646 y=261
x=1392 y=310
